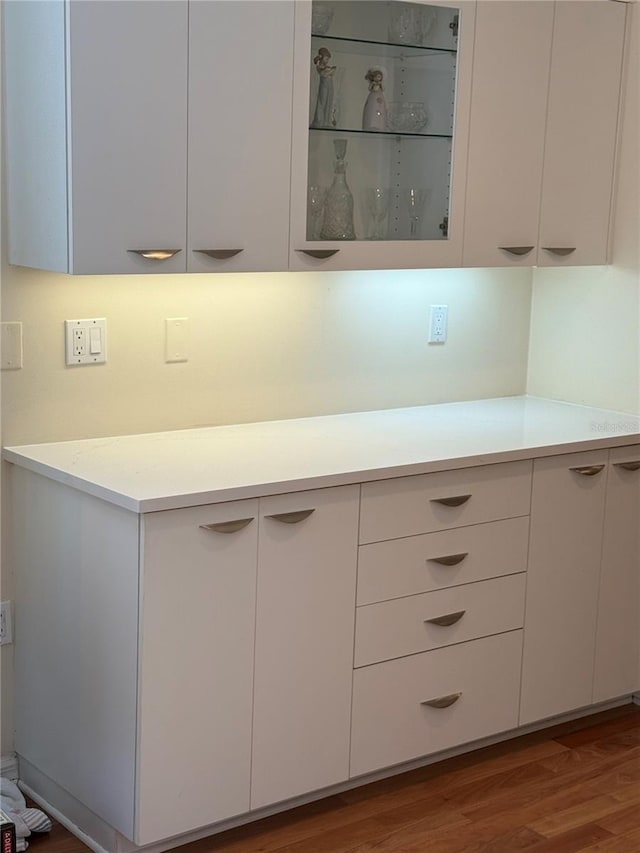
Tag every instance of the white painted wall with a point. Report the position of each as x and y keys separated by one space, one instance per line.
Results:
x=262 y=346
x=585 y=322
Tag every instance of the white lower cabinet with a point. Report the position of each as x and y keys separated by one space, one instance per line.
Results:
x=618 y=635
x=304 y=642
x=567 y=512
x=416 y=705
x=276 y=646
x=197 y=606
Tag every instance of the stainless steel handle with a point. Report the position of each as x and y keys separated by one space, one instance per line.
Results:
x=588 y=470
x=319 y=253
x=559 y=250
x=155 y=254
x=227 y=526
x=449 y=560
x=291 y=517
x=628 y=466
x=447 y=619
x=456 y=500
x=442 y=701
x=219 y=254
x=517 y=250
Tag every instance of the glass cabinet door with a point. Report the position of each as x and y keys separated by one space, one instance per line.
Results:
x=382 y=91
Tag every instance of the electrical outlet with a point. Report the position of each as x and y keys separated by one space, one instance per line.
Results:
x=79 y=341
x=438 y=324
x=85 y=341
x=6 y=623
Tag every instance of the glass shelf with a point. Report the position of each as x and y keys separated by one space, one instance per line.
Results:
x=391 y=50
x=388 y=133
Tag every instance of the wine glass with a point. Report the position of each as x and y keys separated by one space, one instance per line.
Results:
x=315 y=203
x=416 y=198
x=376 y=205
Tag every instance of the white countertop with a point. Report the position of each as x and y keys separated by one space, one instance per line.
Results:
x=167 y=470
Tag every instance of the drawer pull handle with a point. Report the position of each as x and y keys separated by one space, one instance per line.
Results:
x=449 y=560
x=588 y=470
x=457 y=500
x=442 y=701
x=155 y=254
x=562 y=250
x=291 y=517
x=227 y=526
x=628 y=466
x=319 y=253
x=517 y=250
x=218 y=254
x=447 y=619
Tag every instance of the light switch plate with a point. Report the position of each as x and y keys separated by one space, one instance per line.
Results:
x=176 y=339
x=11 y=337
x=86 y=341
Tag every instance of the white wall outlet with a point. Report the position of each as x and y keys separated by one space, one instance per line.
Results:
x=438 y=324
x=86 y=341
x=11 y=338
x=6 y=623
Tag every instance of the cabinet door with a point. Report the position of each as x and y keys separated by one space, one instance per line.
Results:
x=582 y=118
x=240 y=82
x=304 y=642
x=127 y=152
x=508 y=109
x=197 y=616
x=380 y=190
x=618 y=639
x=567 y=512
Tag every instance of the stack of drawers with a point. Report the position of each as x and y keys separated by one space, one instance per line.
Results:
x=440 y=609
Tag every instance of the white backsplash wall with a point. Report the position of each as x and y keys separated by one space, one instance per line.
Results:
x=585 y=321
x=262 y=346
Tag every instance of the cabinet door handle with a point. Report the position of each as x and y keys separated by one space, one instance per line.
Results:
x=442 y=701
x=447 y=619
x=449 y=560
x=588 y=470
x=227 y=526
x=291 y=517
x=628 y=466
x=219 y=254
x=319 y=253
x=559 y=250
x=155 y=254
x=456 y=500
x=517 y=250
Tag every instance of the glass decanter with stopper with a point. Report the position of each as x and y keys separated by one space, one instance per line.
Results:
x=337 y=221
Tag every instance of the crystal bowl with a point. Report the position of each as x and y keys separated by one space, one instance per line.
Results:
x=321 y=17
x=406 y=116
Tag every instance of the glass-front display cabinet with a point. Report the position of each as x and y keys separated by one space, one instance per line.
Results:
x=381 y=103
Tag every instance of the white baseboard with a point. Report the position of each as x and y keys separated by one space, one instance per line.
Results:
x=9 y=766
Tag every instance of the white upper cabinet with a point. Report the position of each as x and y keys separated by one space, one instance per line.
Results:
x=582 y=125
x=240 y=78
x=96 y=143
x=381 y=103
x=546 y=87
x=148 y=86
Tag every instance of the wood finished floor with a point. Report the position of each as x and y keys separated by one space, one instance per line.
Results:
x=574 y=787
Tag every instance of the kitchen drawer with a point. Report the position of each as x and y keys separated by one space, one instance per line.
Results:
x=407 y=566
x=390 y=723
x=401 y=627
x=411 y=505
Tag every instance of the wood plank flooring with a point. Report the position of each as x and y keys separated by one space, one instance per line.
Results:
x=575 y=787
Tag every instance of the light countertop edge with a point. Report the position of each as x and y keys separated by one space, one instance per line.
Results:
x=73 y=459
